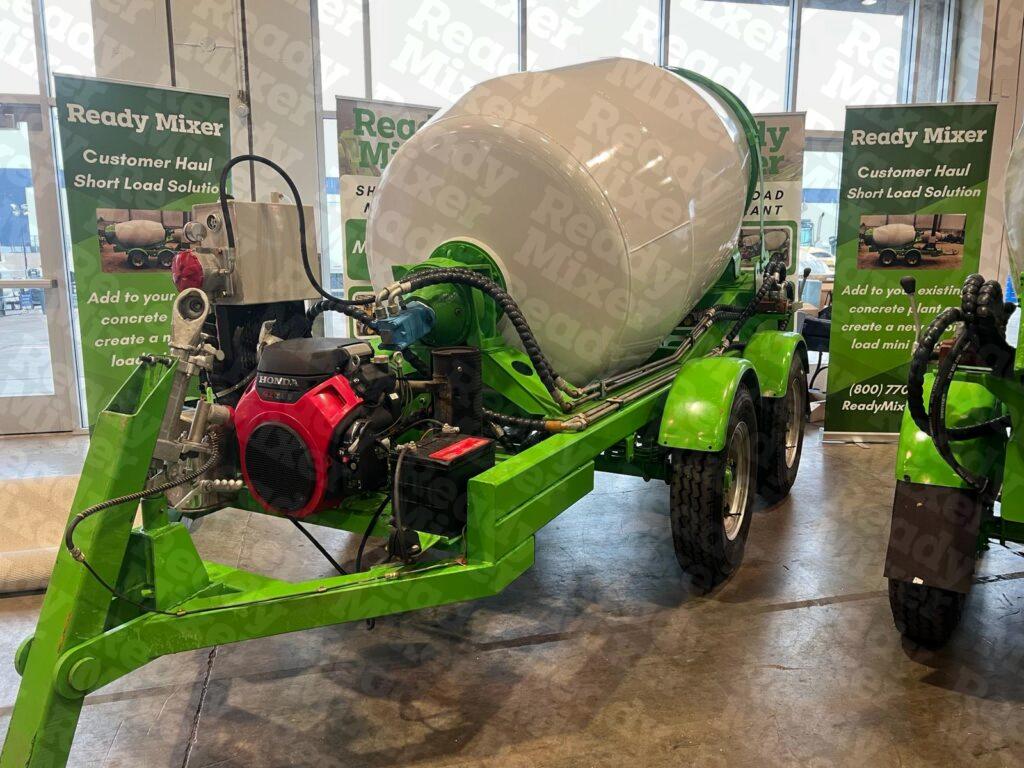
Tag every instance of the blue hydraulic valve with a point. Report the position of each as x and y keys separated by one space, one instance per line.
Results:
x=407 y=327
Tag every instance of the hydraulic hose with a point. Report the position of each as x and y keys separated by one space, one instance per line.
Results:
x=69 y=532
x=979 y=301
x=508 y=305
x=941 y=437
x=229 y=229
x=333 y=305
x=919 y=364
x=771 y=279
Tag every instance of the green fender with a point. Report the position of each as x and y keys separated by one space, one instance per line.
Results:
x=771 y=353
x=697 y=409
x=969 y=402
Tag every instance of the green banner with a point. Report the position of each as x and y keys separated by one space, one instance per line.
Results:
x=369 y=134
x=136 y=159
x=776 y=202
x=912 y=202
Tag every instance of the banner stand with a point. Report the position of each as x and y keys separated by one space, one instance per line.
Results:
x=912 y=205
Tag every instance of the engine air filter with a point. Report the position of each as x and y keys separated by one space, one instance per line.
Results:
x=280 y=467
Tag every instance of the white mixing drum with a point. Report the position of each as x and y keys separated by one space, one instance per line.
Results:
x=609 y=194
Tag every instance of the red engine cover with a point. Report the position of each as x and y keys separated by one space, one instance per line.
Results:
x=284 y=447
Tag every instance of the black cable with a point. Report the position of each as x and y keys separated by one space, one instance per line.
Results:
x=770 y=280
x=514 y=421
x=77 y=554
x=919 y=364
x=974 y=304
x=319 y=546
x=416 y=362
x=368 y=532
x=230 y=232
x=69 y=532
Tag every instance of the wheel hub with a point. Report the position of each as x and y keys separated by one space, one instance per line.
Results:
x=795 y=424
x=736 y=483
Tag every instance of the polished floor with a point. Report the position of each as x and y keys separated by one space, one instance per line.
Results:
x=599 y=656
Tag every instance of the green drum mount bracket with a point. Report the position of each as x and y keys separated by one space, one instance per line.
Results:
x=462 y=315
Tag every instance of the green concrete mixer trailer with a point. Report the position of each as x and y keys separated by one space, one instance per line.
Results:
x=539 y=315
x=143 y=242
x=960 y=464
x=898 y=244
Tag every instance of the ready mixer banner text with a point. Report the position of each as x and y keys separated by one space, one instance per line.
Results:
x=911 y=203
x=136 y=159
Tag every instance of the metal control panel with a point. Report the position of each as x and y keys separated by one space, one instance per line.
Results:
x=266 y=264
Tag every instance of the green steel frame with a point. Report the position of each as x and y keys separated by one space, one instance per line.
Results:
x=86 y=639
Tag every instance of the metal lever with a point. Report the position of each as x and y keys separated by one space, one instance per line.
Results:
x=909 y=286
x=187 y=318
x=803 y=284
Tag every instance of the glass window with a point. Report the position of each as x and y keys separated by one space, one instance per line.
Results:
x=335 y=323
x=742 y=45
x=970 y=30
x=341 y=50
x=819 y=213
x=24 y=337
x=562 y=32
x=70 y=41
x=850 y=53
x=19 y=71
x=433 y=51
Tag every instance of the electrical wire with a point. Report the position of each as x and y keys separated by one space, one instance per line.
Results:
x=79 y=555
x=319 y=546
x=229 y=230
x=368 y=532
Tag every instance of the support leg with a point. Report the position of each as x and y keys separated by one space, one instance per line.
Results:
x=76 y=607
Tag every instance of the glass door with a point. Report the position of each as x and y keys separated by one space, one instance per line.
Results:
x=37 y=372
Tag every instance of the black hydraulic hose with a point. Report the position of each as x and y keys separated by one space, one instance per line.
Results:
x=508 y=305
x=416 y=362
x=333 y=305
x=515 y=421
x=770 y=280
x=975 y=301
x=919 y=364
x=937 y=412
x=969 y=297
x=229 y=230
x=69 y=532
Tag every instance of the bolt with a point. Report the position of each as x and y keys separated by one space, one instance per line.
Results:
x=84 y=674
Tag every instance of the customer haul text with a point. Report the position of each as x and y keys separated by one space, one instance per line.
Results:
x=906 y=139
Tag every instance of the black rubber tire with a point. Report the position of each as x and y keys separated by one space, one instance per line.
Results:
x=926 y=615
x=697 y=498
x=912 y=257
x=138 y=258
x=887 y=257
x=165 y=258
x=775 y=477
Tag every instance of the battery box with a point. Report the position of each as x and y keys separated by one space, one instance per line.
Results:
x=434 y=482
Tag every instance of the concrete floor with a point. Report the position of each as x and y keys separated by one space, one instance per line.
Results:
x=599 y=656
